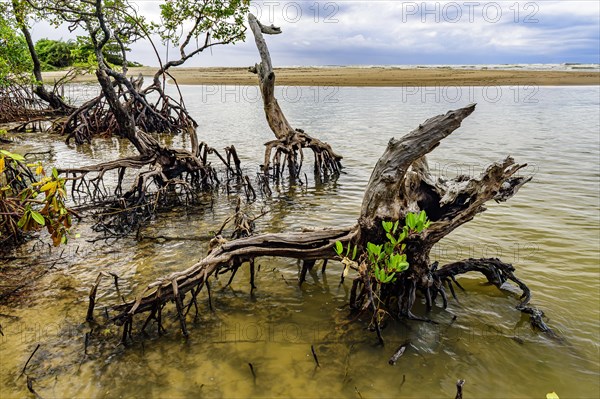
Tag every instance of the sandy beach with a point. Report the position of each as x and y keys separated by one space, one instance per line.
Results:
x=306 y=76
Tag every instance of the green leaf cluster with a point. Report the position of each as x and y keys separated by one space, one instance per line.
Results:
x=417 y=222
x=57 y=54
x=22 y=209
x=387 y=260
x=223 y=20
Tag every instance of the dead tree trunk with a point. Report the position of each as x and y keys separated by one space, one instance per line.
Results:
x=400 y=183
x=289 y=142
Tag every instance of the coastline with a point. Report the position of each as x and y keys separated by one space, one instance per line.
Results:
x=366 y=77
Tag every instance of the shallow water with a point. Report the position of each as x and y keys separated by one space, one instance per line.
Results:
x=549 y=231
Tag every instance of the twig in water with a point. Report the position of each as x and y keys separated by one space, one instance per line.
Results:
x=459 y=386
x=86 y=342
x=30 y=356
x=30 y=387
x=253 y=372
x=358 y=392
x=312 y=348
x=399 y=352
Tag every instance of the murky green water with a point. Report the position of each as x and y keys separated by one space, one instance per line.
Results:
x=549 y=231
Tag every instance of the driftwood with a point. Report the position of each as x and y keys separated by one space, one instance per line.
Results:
x=289 y=142
x=400 y=183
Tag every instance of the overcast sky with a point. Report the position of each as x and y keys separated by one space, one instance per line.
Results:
x=405 y=32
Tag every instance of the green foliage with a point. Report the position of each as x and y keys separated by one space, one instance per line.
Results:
x=54 y=53
x=416 y=222
x=222 y=19
x=83 y=54
x=22 y=210
x=14 y=56
x=387 y=260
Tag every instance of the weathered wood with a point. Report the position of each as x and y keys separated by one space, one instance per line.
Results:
x=400 y=183
x=290 y=141
x=304 y=245
x=387 y=196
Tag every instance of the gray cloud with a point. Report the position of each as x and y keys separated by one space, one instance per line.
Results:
x=404 y=32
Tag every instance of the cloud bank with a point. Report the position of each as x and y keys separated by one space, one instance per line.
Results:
x=405 y=32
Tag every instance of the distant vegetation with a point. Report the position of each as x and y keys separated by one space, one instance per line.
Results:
x=53 y=54
x=14 y=57
x=58 y=54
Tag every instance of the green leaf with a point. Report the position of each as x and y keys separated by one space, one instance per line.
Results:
x=23 y=221
x=395 y=227
x=388 y=248
x=373 y=249
x=354 y=252
x=411 y=220
x=15 y=157
x=55 y=173
x=38 y=217
x=394 y=260
x=387 y=226
x=348 y=250
x=339 y=248
x=402 y=266
x=403 y=235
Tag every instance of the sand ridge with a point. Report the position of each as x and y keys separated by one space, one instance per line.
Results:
x=374 y=77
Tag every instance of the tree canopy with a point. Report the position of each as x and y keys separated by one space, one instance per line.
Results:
x=14 y=58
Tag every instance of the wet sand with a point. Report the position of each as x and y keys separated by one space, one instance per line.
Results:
x=306 y=76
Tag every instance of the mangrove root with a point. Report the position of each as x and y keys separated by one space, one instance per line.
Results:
x=289 y=142
x=400 y=183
